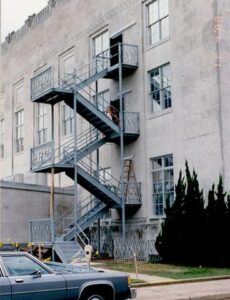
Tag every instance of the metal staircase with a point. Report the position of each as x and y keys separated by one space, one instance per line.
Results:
x=105 y=120
x=89 y=211
x=68 y=250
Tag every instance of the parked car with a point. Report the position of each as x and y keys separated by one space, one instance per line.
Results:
x=24 y=277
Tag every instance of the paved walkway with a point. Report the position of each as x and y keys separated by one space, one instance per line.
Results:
x=169 y=289
x=211 y=290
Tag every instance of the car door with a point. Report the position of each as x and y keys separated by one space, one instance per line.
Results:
x=5 y=287
x=32 y=280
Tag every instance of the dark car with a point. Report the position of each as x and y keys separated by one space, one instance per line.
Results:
x=23 y=277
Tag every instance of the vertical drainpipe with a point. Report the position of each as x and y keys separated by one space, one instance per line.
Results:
x=218 y=74
x=121 y=141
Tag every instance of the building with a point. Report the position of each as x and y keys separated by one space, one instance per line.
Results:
x=172 y=83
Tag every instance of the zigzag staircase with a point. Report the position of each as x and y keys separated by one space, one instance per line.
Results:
x=105 y=120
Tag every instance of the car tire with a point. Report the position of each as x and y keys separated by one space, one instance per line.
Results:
x=94 y=297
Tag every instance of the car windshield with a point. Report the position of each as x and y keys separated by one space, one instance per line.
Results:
x=22 y=265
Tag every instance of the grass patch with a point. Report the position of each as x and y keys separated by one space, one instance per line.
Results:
x=164 y=270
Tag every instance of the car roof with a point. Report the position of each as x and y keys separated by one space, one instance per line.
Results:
x=12 y=253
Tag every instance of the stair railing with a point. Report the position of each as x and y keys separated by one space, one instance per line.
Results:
x=42 y=155
x=82 y=237
x=84 y=139
x=67 y=221
x=105 y=106
x=102 y=61
x=90 y=95
x=89 y=166
x=132 y=188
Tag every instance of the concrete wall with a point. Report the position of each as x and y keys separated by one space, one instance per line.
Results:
x=20 y=203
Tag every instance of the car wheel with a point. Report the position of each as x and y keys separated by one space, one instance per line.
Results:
x=95 y=297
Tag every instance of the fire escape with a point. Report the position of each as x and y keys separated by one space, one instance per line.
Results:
x=74 y=157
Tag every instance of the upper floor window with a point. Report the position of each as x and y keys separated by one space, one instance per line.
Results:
x=102 y=100
x=42 y=126
x=2 y=133
x=101 y=43
x=160 y=88
x=67 y=120
x=158 y=21
x=18 y=93
x=19 y=130
x=163 y=182
x=67 y=64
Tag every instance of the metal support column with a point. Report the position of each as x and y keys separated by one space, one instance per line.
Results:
x=98 y=160
x=121 y=141
x=52 y=185
x=76 y=204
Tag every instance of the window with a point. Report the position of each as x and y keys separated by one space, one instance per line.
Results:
x=22 y=265
x=163 y=182
x=2 y=130
x=102 y=100
x=42 y=127
x=105 y=175
x=19 y=131
x=18 y=93
x=101 y=44
x=67 y=120
x=158 y=21
x=66 y=65
x=160 y=88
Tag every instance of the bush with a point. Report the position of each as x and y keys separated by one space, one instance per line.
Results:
x=191 y=233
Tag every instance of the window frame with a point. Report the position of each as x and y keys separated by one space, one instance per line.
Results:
x=19 y=131
x=42 y=133
x=101 y=62
x=161 y=90
x=158 y=208
x=159 y=21
x=102 y=95
x=67 y=122
x=100 y=35
x=34 y=261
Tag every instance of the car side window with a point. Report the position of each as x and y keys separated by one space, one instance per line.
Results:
x=22 y=265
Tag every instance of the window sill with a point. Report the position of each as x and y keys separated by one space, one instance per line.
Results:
x=18 y=153
x=150 y=47
x=160 y=113
x=67 y=137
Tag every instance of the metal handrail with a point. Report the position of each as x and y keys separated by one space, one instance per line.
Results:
x=38 y=152
x=44 y=81
x=60 y=218
x=94 y=173
x=84 y=235
x=84 y=209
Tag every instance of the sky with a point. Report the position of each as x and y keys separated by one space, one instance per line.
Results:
x=15 y=12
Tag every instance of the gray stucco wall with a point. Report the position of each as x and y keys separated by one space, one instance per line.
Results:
x=20 y=203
